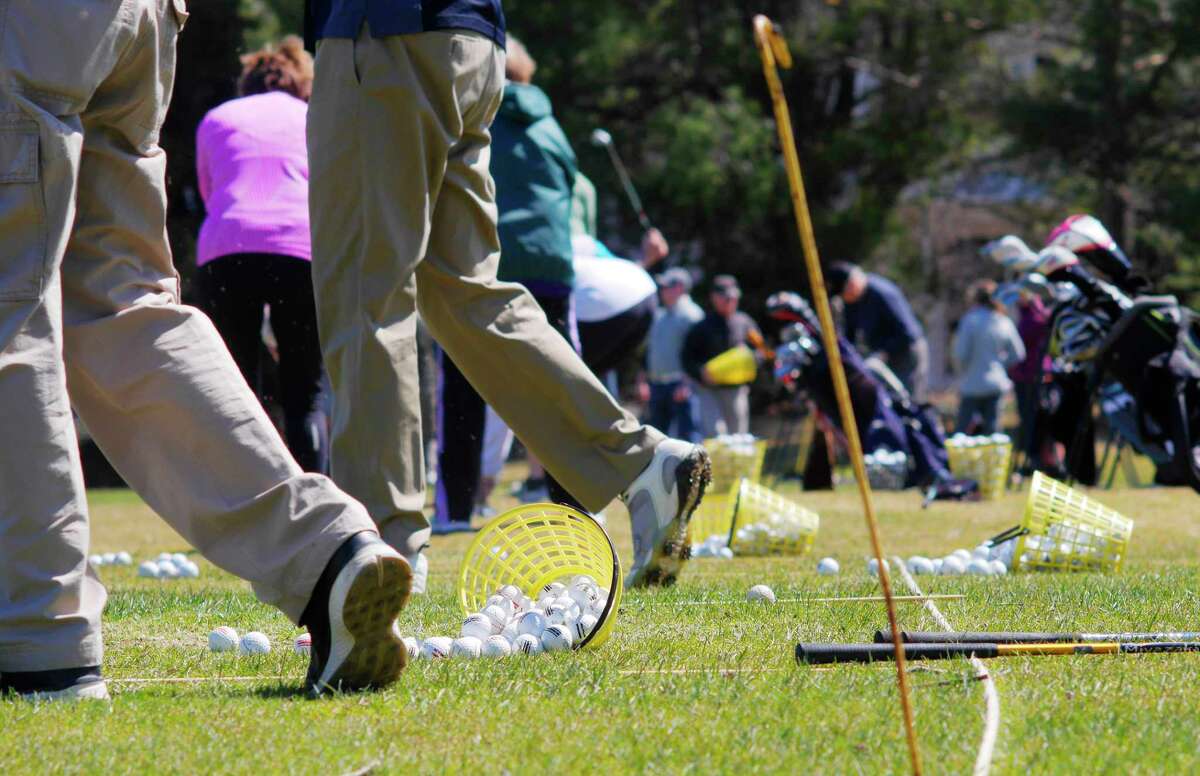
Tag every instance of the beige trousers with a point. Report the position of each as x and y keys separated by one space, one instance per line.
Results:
x=89 y=300
x=404 y=218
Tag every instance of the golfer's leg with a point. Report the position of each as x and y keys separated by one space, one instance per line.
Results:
x=498 y=335
x=50 y=601
x=712 y=422
x=376 y=158
x=152 y=378
x=739 y=409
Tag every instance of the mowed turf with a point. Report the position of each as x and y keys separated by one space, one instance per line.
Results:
x=679 y=688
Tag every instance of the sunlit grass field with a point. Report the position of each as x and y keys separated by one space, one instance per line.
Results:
x=680 y=687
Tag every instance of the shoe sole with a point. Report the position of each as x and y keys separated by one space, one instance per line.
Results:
x=692 y=479
x=365 y=648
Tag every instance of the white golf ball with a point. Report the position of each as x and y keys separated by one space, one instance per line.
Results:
x=583 y=627
x=725 y=553
x=511 y=592
x=148 y=569
x=254 y=643
x=436 y=647
x=223 y=639
x=560 y=614
x=937 y=565
x=477 y=626
x=108 y=558
x=873 y=566
x=963 y=555
x=597 y=608
x=466 y=646
x=827 y=567
x=552 y=590
x=499 y=617
x=124 y=559
x=527 y=644
x=497 y=646
x=583 y=579
x=556 y=638
x=163 y=556
x=167 y=570
x=303 y=644
x=979 y=567
x=510 y=631
x=583 y=594
x=532 y=624
x=998 y=567
x=982 y=551
x=412 y=646
x=189 y=570
x=96 y=560
x=952 y=566
x=761 y=593
x=179 y=558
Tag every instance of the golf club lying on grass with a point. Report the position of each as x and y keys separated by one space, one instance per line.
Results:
x=603 y=138
x=813 y=654
x=1024 y=637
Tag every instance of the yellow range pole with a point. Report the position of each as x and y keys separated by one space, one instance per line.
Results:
x=774 y=50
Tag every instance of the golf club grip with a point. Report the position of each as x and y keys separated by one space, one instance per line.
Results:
x=815 y=654
x=1025 y=637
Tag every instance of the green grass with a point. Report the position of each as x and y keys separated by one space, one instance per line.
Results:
x=677 y=689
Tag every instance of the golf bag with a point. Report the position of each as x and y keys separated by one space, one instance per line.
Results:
x=1141 y=358
x=886 y=416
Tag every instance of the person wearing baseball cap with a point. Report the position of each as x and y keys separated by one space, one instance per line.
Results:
x=672 y=401
x=724 y=409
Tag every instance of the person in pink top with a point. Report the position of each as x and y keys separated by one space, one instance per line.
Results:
x=254 y=249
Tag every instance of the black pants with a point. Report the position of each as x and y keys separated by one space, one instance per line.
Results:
x=461 y=419
x=232 y=291
x=606 y=344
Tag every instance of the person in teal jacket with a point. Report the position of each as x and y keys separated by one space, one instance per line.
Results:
x=535 y=168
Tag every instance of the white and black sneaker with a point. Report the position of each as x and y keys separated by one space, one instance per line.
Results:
x=352 y=617
x=661 y=502
x=64 y=684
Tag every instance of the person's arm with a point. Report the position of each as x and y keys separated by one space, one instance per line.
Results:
x=694 y=349
x=654 y=248
x=1016 y=347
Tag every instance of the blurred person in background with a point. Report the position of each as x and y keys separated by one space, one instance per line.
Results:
x=985 y=345
x=1033 y=326
x=879 y=319
x=672 y=400
x=254 y=248
x=724 y=409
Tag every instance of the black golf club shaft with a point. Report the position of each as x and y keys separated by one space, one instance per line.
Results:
x=1030 y=637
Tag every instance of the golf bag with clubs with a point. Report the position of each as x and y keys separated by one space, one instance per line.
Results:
x=886 y=416
x=1138 y=355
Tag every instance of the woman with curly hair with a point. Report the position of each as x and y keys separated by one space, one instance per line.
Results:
x=254 y=249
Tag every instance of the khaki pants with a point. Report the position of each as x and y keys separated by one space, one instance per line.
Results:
x=404 y=217
x=89 y=300
x=724 y=410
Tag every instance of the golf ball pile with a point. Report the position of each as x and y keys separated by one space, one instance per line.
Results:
x=775 y=530
x=169 y=566
x=742 y=444
x=984 y=561
x=887 y=469
x=715 y=546
x=963 y=440
x=563 y=615
x=111 y=559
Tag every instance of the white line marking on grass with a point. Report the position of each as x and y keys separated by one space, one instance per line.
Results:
x=991 y=698
x=198 y=679
x=835 y=600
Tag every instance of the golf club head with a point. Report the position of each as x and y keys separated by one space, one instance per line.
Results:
x=1008 y=294
x=1010 y=252
x=601 y=137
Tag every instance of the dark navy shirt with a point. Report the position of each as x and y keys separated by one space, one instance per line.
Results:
x=883 y=318
x=344 y=18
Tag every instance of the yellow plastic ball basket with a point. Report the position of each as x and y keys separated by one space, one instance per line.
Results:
x=533 y=545
x=987 y=464
x=714 y=515
x=765 y=523
x=736 y=366
x=1064 y=530
x=734 y=458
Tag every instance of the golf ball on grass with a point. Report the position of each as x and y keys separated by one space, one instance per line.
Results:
x=979 y=567
x=556 y=638
x=124 y=559
x=952 y=566
x=254 y=643
x=527 y=644
x=532 y=624
x=223 y=639
x=496 y=646
x=828 y=567
x=149 y=569
x=761 y=593
x=478 y=626
x=466 y=646
x=413 y=646
x=436 y=647
x=873 y=566
x=303 y=644
x=998 y=568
